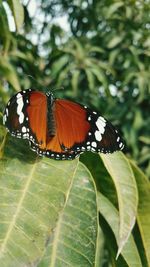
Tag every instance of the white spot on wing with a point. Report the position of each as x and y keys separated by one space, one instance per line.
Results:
x=19 y=95
x=94 y=144
x=121 y=145
x=102 y=119
x=118 y=139
x=24 y=129
x=19 y=108
x=98 y=136
x=101 y=124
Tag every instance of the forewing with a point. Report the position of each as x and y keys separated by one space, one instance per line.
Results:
x=25 y=116
x=37 y=115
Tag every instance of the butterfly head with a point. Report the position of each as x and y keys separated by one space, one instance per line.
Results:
x=51 y=97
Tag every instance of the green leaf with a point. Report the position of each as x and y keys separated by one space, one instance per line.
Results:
x=113 y=56
x=18 y=12
x=145 y=139
x=64 y=74
x=111 y=215
x=75 y=81
x=59 y=64
x=129 y=12
x=115 y=41
x=90 y=78
x=5 y=35
x=113 y=8
x=48 y=210
x=124 y=180
x=143 y=217
x=100 y=248
x=96 y=49
x=100 y=76
x=80 y=50
x=74 y=240
x=4 y=21
x=9 y=73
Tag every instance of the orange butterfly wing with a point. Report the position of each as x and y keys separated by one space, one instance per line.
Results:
x=71 y=126
x=37 y=115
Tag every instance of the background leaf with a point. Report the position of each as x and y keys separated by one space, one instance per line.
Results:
x=111 y=215
x=123 y=178
x=143 y=217
x=9 y=72
x=18 y=12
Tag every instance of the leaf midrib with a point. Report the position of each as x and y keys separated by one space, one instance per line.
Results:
x=120 y=201
x=58 y=226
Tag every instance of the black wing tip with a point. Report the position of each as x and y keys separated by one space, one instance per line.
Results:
x=113 y=149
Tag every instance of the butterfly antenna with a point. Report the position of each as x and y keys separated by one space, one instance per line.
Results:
x=57 y=88
x=51 y=90
x=30 y=76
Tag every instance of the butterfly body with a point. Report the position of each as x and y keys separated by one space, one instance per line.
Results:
x=58 y=128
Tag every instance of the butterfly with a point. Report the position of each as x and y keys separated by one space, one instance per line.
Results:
x=59 y=128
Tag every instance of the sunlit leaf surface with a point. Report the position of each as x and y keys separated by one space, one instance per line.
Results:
x=123 y=178
x=47 y=210
x=143 y=217
x=73 y=242
x=18 y=12
x=111 y=215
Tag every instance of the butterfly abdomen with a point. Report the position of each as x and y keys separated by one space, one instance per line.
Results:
x=51 y=124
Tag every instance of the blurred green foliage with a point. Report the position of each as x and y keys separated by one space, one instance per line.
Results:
x=102 y=60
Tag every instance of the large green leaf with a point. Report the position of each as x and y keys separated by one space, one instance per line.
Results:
x=48 y=211
x=74 y=240
x=143 y=217
x=124 y=180
x=111 y=215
